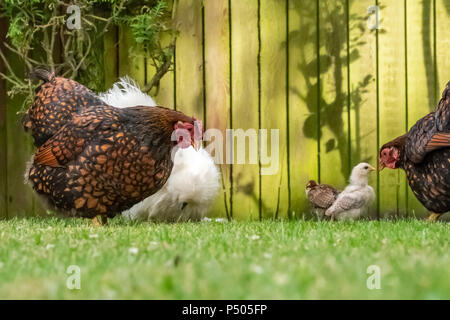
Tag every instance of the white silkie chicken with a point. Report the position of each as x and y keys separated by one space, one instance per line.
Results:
x=193 y=183
x=356 y=198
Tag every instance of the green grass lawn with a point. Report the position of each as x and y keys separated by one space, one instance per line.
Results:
x=237 y=260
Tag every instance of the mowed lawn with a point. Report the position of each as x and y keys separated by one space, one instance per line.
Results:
x=224 y=260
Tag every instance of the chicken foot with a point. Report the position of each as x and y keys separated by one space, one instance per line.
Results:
x=433 y=217
x=99 y=221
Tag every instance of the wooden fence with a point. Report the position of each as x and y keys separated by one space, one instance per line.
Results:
x=313 y=69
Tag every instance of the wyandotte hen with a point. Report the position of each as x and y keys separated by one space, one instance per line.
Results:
x=424 y=153
x=354 y=201
x=103 y=160
x=321 y=197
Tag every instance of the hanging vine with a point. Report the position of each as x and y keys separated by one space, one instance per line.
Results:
x=38 y=35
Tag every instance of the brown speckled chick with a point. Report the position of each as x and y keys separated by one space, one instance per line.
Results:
x=102 y=160
x=54 y=103
x=321 y=197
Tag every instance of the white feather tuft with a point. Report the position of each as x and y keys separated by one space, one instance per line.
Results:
x=193 y=183
x=126 y=93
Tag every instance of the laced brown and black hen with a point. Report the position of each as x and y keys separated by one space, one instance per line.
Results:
x=424 y=153
x=98 y=159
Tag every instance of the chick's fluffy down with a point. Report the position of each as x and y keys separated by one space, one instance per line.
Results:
x=193 y=183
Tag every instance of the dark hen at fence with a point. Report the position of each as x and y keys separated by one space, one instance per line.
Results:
x=424 y=153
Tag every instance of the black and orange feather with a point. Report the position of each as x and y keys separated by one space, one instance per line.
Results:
x=55 y=102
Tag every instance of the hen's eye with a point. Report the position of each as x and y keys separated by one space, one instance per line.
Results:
x=366 y=167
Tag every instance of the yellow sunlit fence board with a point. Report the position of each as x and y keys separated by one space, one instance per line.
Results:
x=189 y=64
x=420 y=72
x=334 y=148
x=392 y=114
x=217 y=87
x=363 y=89
x=245 y=104
x=274 y=184
x=303 y=103
x=442 y=45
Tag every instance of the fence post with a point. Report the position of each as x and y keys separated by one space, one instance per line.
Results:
x=3 y=176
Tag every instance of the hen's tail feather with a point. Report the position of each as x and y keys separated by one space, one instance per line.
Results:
x=42 y=74
x=442 y=114
x=447 y=90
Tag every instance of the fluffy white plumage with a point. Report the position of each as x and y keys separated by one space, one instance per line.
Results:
x=193 y=183
x=126 y=93
x=356 y=198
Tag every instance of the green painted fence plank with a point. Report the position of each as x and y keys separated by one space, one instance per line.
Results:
x=217 y=86
x=363 y=89
x=39 y=207
x=392 y=95
x=123 y=47
x=420 y=72
x=111 y=46
x=165 y=93
x=19 y=150
x=334 y=148
x=303 y=106
x=245 y=104
x=3 y=137
x=274 y=184
x=442 y=45
x=131 y=62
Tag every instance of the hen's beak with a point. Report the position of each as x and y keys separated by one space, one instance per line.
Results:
x=371 y=168
x=197 y=144
x=381 y=166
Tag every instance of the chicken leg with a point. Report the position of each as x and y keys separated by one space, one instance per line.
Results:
x=433 y=217
x=99 y=221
